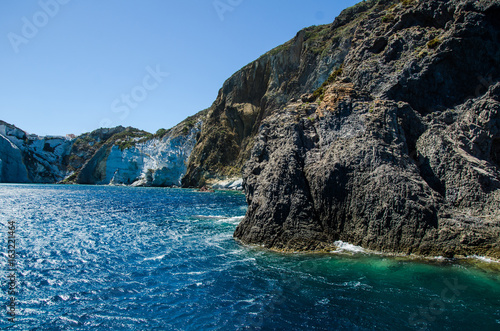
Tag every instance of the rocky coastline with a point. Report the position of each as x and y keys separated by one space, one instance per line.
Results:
x=399 y=152
x=381 y=130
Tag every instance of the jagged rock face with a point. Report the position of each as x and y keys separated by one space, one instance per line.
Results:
x=87 y=144
x=128 y=156
x=12 y=169
x=43 y=159
x=317 y=179
x=149 y=162
x=253 y=93
x=432 y=54
x=46 y=159
x=117 y=156
x=401 y=155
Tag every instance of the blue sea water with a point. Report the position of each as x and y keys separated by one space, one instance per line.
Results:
x=120 y=258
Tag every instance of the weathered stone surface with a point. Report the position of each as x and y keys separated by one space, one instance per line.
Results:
x=287 y=72
x=117 y=156
x=43 y=159
x=143 y=160
x=12 y=169
x=400 y=153
x=381 y=129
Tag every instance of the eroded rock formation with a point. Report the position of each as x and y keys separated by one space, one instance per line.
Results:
x=399 y=153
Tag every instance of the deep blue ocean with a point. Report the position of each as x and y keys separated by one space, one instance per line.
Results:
x=121 y=258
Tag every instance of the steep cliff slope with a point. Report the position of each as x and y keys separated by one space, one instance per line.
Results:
x=31 y=158
x=399 y=150
x=12 y=169
x=134 y=157
x=253 y=93
x=118 y=156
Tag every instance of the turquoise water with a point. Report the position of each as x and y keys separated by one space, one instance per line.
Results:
x=164 y=259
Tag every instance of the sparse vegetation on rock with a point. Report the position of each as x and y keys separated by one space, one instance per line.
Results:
x=402 y=154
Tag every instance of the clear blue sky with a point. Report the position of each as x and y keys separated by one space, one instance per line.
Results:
x=67 y=66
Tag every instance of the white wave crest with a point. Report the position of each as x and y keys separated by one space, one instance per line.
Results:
x=154 y=258
x=231 y=220
x=346 y=247
x=484 y=259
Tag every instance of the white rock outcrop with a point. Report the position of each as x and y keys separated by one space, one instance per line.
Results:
x=235 y=184
x=30 y=158
x=156 y=162
x=141 y=161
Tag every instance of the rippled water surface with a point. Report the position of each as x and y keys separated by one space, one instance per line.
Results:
x=164 y=259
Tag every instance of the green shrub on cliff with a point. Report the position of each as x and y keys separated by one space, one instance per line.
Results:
x=128 y=138
x=70 y=179
x=123 y=145
x=407 y=3
x=160 y=133
x=434 y=43
x=279 y=49
x=388 y=18
x=320 y=92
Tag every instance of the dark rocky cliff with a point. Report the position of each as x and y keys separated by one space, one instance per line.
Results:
x=12 y=168
x=399 y=151
x=253 y=93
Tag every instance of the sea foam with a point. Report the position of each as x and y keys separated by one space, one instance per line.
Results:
x=343 y=247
